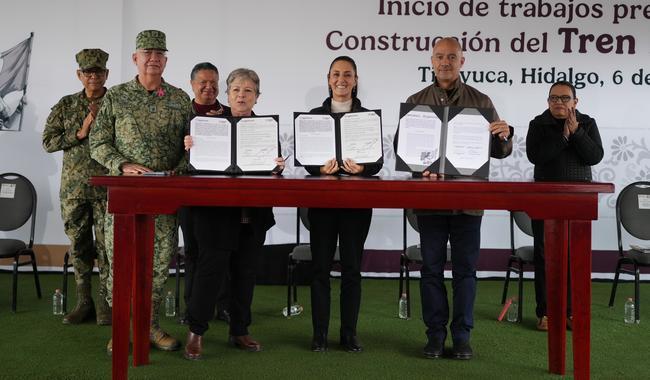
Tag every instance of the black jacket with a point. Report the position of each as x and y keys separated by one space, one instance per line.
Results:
x=558 y=159
x=326 y=108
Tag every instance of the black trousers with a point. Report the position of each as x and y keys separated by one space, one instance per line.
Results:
x=191 y=257
x=464 y=235
x=350 y=227
x=213 y=264
x=540 y=270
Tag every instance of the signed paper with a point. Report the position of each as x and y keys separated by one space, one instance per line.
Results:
x=257 y=143
x=468 y=141
x=315 y=140
x=361 y=138
x=419 y=138
x=211 y=149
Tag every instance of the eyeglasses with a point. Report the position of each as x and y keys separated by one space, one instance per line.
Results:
x=89 y=73
x=557 y=99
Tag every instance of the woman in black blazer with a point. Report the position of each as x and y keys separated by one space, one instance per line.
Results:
x=229 y=239
x=348 y=226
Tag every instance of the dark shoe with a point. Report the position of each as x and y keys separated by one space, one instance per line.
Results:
x=462 y=351
x=245 y=342
x=85 y=310
x=193 y=347
x=569 y=323
x=434 y=349
x=319 y=343
x=351 y=344
x=222 y=315
x=163 y=341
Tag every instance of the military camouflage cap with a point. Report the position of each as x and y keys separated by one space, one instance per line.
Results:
x=92 y=58
x=151 y=39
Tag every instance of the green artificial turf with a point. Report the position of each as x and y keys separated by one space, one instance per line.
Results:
x=34 y=343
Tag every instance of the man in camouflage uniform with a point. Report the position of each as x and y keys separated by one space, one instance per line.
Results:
x=140 y=129
x=82 y=206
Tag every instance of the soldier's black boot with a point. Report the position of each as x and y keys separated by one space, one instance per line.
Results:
x=85 y=308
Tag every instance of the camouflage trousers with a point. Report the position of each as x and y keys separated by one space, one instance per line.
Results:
x=165 y=246
x=80 y=218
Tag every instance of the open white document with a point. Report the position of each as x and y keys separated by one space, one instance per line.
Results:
x=211 y=149
x=257 y=143
x=361 y=138
x=445 y=140
x=315 y=139
x=419 y=138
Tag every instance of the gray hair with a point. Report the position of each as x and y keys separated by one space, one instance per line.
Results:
x=243 y=73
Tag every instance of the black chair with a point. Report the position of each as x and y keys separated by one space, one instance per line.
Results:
x=300 y=254
x=18 y=205
x=633 y=213
x=409 y=255
x=519 y=257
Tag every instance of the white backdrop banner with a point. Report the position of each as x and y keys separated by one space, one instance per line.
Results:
x=514 y=50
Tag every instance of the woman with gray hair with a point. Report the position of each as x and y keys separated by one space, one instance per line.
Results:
x=228 y=239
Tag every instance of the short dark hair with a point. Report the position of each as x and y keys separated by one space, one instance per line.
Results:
x=202 y=66
x=354 y=66
x=564 y=83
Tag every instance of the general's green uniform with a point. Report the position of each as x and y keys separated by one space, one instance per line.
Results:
x=146 y=128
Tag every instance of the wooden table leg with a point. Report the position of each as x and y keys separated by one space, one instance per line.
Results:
x=555 y=254
x=142 y=277
x=124 y=252
x=580 y=251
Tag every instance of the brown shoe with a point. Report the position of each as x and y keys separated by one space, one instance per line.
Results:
x=163 y=341
x=542 y=323
x=84 y=311
x=193 y=347
x=245 y=342
x=569 y=323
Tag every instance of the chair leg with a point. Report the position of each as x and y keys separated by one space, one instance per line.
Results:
x=290 y=268
x=615 y=283
x=637 y=298
x=14 y=288
x=407 y=276
x=64 y=286
x=177 y=300
x=35 y=269
x=506 y=283
x=520 y=293
x=401 y=277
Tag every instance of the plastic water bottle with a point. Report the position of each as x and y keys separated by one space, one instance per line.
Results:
x=57 y=302
x=170 y=305
x=629 y=317
x=403 y=311
x=513 y=311
x=296 y=309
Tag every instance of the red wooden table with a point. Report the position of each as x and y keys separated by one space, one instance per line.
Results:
x=565 y=207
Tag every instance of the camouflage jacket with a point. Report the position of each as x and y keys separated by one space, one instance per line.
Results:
x=135 y=126
x=60 y=133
